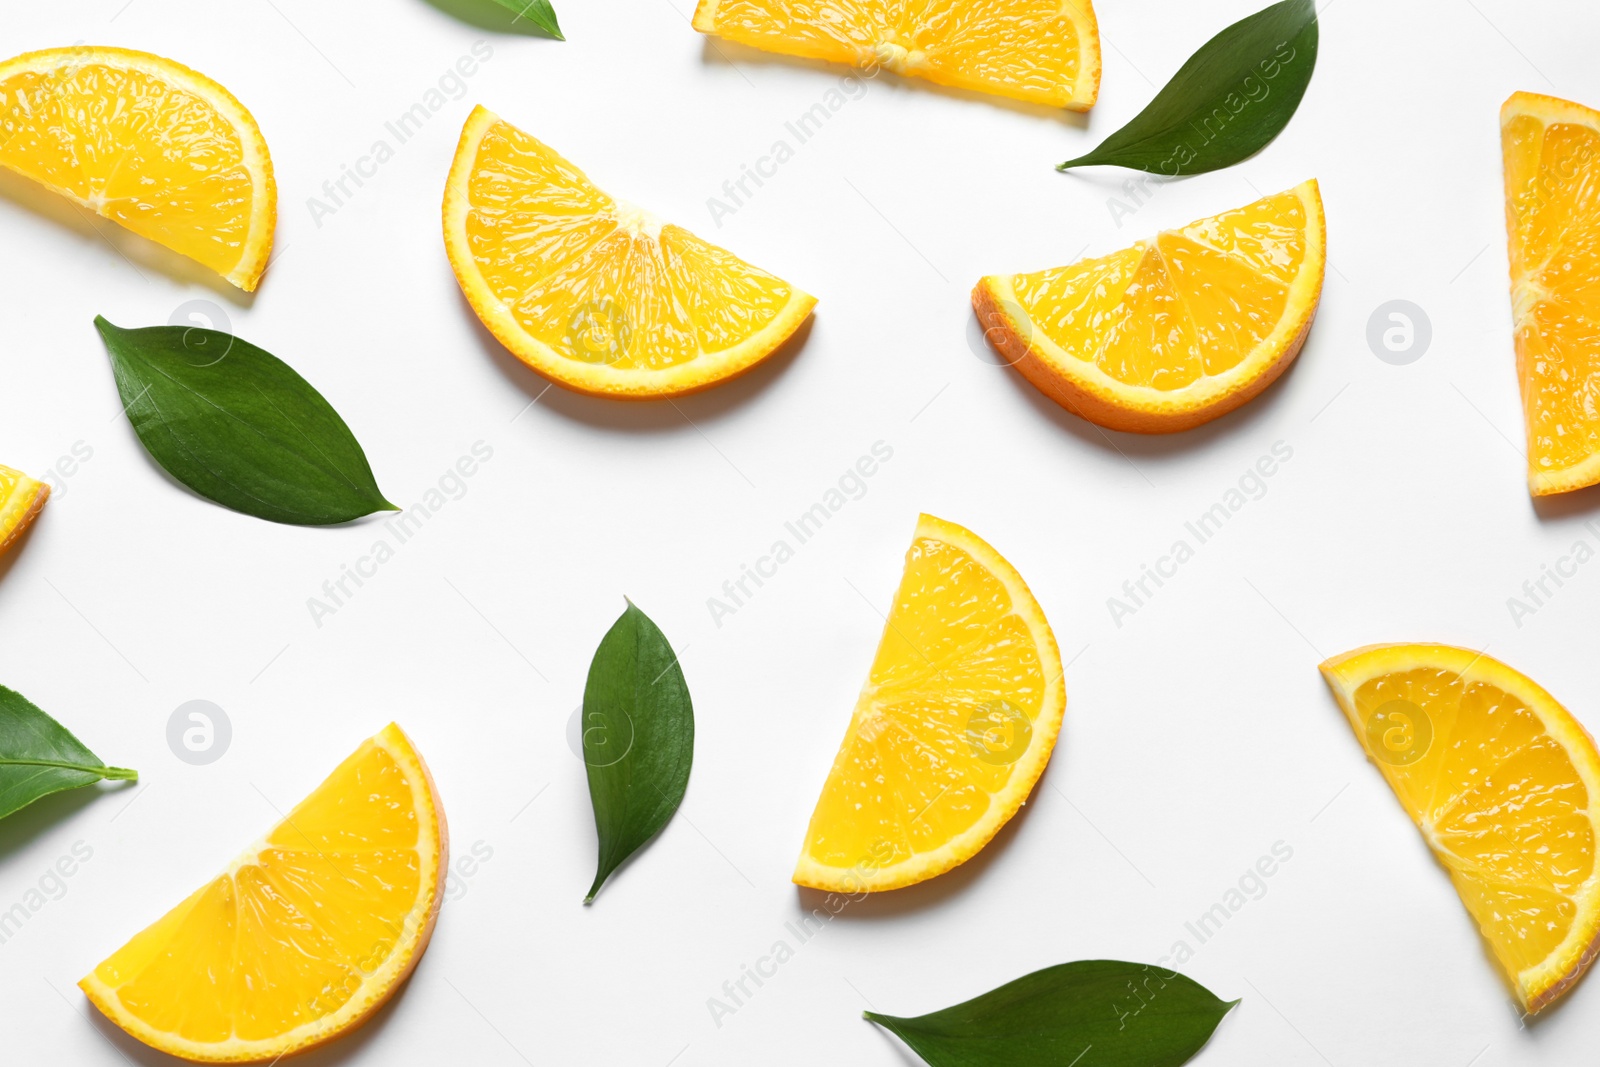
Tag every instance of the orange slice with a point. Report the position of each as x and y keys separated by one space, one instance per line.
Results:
x=306 y=934
x=1174 y=331
x=1552 y=171
x=596 y=293
x=1043 y=51
x=1505 y=786
x=954 y=726
x=21 y=499
x=148 y=143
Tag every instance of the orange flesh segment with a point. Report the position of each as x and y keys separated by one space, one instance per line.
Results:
x=599 y=281
x=948 y=729
x=21 y=497
x=1193 y=302
x=296 y=927
x=1500 y=803
x=1552 y=171
x=135 y=148
x=1046 y=51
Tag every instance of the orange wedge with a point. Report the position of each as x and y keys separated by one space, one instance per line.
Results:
x=595 y=293
x=1552 y=171
x=1174 y=331
x=1042 y=51
x=955 y=724
x=306 y=934
x=21 y=499
x=1505 y=786
x=148 y=143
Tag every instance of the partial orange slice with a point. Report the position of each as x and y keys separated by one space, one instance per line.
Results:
x=954 y=726
x=21 y=499
x=1552 y=171
x=148 y=143
x=1504 y=784
x=1042 y=51
x=1174 y=331
x=595 y=293
x=306 y=934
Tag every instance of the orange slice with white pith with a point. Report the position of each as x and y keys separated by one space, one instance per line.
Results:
x=149 y=144
x=1504 y=784
x=595 y=293
x=21 y=499
x=1041 y=51
x=305 y=934
x=1551 y=151
x=952 y=730
x=1174 y=331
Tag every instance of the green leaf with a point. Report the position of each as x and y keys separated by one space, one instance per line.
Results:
x=239 y=426
x=39 y=756
x=638 y=738
x=538 y=12
x=1226 y=103
x=1093 y=1013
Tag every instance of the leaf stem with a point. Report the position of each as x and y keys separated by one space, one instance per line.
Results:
x=121 y=774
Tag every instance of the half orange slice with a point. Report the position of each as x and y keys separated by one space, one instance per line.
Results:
x=21 y=500
x=952 y=730
x=1552 y=169
x=1505 y=786
x=147 y=143
x=1174 y=331
x=595 y=293
x=1042 y=51
x=306 y=934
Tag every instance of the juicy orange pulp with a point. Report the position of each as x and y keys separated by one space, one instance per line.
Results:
x=21 y=498
x=953 y=728
x=305 y=934
x=1172 y=331
x=1502 y=781
x=147 y=143
x=1552 y=173
x=1044 y=51
x=594 y=292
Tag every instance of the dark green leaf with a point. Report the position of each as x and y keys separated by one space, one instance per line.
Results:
x=638 y=738
x=1093 y=1013
x=538 y=12
x=239 y=426
x=39 y=756
x=1226 y=103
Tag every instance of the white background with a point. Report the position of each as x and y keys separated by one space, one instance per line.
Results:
x=1198 y=733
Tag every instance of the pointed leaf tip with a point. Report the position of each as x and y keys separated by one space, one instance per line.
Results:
x=1051 y=1017
x=638 y=738
x=1227 y=102
x=240 y=428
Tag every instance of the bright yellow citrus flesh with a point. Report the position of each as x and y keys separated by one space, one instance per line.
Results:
x=306 y=934
x=1503 y=782
x=1552 y=172
x=148 y=143
x=21 y=499
x=1174 y=331
x=1042 y=51
x=953 y=728
x=598 y=294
